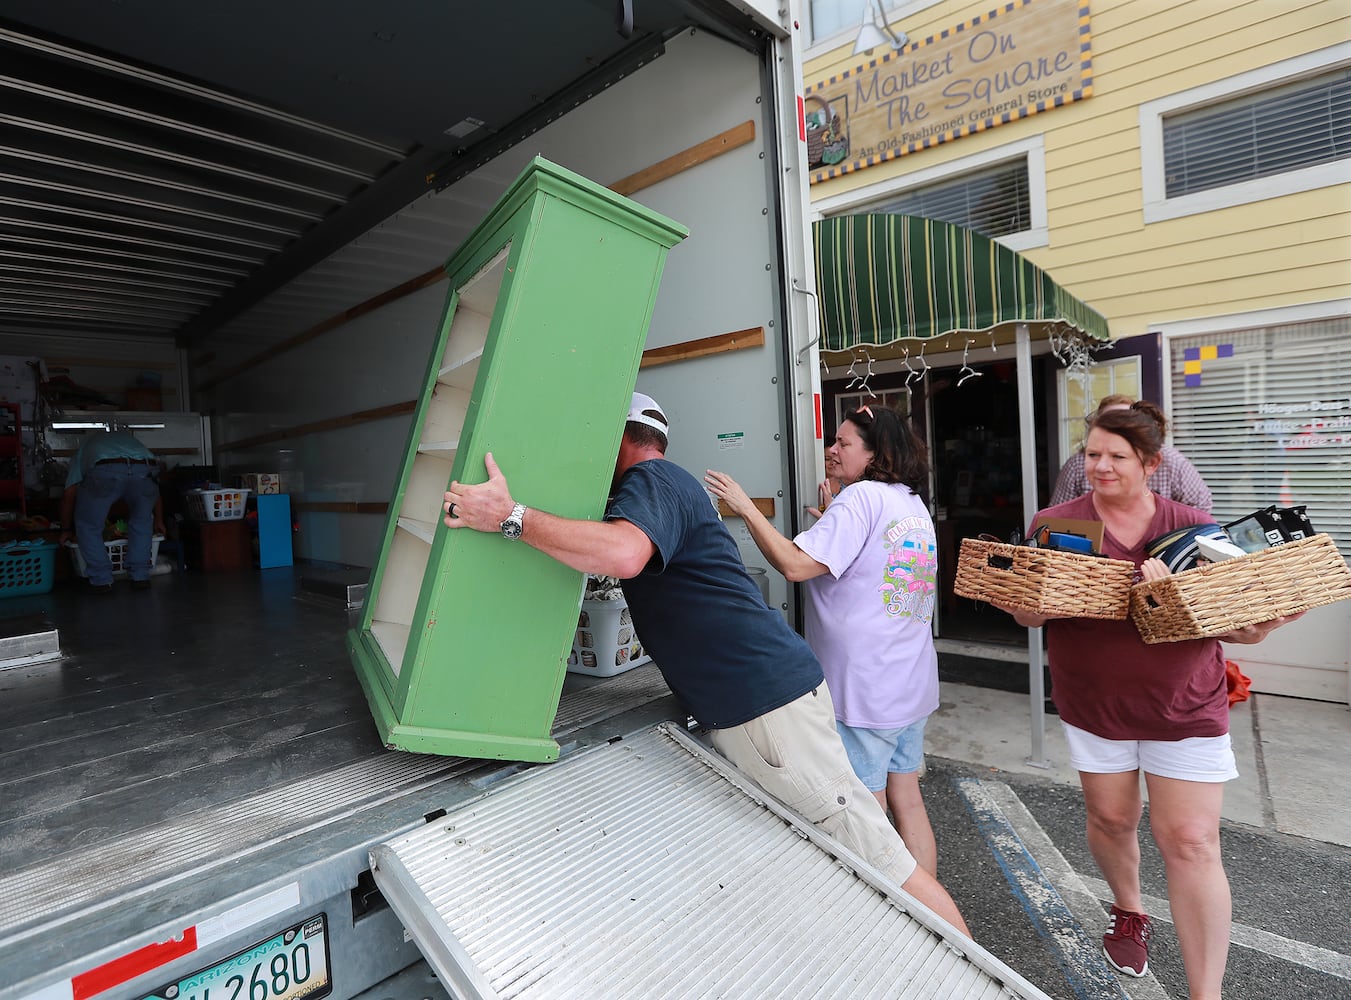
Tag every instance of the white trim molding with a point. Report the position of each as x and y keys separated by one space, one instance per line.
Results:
x=1159 y=207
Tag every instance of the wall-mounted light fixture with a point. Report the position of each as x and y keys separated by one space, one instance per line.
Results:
x=875 y=31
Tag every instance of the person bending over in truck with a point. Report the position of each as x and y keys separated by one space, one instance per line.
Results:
x=733 y=662
x=107 y=468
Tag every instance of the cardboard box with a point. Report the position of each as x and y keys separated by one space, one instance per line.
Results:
x=1092 y=530
x=144 y=399
x=262 y=482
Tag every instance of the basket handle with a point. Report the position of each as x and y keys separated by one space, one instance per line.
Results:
x=825 y=105
x=999 y=562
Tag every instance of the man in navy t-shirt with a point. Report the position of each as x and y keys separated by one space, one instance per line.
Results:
x=741 y=660
x=732 y=661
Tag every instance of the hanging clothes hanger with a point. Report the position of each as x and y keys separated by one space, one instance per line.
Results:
x=966 y=371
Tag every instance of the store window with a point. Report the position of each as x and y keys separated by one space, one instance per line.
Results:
x=1265 y=416
x=1301 y=125
x=1079 y=395
x=1277 y=130
x=993 y=202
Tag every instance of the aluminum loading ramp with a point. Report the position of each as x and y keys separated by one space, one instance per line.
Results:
x=649 y=867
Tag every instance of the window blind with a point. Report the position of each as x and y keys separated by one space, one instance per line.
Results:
x=1265 y=416
x=1299 y=125
x=992 y=202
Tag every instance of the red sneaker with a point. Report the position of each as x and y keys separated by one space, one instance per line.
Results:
x=1126 y=943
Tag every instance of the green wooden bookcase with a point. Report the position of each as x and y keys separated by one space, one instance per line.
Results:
x=464 y=637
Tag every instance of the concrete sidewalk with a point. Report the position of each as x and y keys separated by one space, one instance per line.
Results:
x=1293 y=755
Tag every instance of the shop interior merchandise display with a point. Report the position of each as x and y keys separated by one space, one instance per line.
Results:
x=12 y=505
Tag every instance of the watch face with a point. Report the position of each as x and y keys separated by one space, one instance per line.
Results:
x=514 y=524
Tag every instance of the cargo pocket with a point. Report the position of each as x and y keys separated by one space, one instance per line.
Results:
x=827 y=806
x=801 y=781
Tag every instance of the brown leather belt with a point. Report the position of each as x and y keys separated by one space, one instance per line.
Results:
x=124 y=461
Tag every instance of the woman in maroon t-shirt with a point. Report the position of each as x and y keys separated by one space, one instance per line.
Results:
x=1163 y=709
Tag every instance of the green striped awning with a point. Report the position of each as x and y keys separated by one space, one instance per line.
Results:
x=883 y=278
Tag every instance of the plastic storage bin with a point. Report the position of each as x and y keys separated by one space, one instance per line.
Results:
x=605 y=643
x=117 y=555
x=216 y=505
x=27 y=568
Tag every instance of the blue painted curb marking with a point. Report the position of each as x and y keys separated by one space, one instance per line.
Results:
x=1081 y=959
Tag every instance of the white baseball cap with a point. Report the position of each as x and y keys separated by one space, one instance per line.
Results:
x=636 y=414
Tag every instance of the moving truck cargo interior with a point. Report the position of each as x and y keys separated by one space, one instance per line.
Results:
x=260 y=236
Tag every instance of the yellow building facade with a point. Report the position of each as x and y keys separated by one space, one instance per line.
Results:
x=1182 y=168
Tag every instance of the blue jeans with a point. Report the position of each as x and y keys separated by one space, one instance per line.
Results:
x=102 y=486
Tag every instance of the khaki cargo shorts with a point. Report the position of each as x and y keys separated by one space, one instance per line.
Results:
x=795 y=754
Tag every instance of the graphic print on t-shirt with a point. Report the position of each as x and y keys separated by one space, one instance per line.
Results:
x=908 y=586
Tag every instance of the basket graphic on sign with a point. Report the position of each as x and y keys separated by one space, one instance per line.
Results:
x=827 y=131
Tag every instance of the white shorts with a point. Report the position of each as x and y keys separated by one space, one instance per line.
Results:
x=1196 y=758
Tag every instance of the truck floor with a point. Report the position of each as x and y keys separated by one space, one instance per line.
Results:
x=194 y=741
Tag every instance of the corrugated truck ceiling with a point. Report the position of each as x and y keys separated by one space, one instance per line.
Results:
x=163 y=167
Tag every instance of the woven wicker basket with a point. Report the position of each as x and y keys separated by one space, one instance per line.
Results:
x=816 y=138
x=1043 y=580
x=1214 y=599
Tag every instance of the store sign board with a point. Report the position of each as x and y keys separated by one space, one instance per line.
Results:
x=1024 y=58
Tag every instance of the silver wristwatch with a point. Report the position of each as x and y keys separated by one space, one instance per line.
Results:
x=512 y=526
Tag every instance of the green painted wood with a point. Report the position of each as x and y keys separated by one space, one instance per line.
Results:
x=489 y=621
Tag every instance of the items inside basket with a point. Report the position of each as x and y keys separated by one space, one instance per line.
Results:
x=1060 y=535
x=1202 y=544
x=1270 y=526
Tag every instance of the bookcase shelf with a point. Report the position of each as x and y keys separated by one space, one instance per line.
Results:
x=464 y=638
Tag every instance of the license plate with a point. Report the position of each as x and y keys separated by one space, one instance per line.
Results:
x=286 y=966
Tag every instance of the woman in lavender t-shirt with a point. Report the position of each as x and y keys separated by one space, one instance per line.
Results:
x=870 y=566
